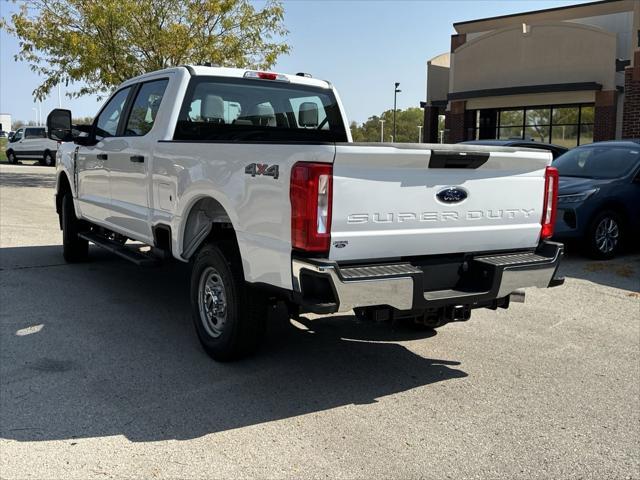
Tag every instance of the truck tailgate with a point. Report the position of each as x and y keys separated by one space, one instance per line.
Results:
x=404 y=200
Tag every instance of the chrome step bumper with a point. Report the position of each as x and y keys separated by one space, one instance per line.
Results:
x=400 y=285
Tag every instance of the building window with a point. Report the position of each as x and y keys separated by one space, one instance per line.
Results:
x=565 y=125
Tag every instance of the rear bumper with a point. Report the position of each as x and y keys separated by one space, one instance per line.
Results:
x=323 y=286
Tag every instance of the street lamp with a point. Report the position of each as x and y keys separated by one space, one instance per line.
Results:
x=382 y=130
x=395 y=95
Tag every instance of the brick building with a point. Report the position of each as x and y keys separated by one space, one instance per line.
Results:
x=568 y=75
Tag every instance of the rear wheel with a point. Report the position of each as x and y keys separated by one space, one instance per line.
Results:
x=228 y=315
x=11 y=157
x=48 y=159
x=74 y=248
x=605 y=235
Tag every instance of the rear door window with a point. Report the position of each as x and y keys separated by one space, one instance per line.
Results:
x=227 y=109
x=145 y=108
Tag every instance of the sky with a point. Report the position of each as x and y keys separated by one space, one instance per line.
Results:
x=361 y=46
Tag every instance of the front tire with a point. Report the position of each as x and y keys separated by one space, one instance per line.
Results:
x=228 y=315
x=74 y=248
x=604 y=235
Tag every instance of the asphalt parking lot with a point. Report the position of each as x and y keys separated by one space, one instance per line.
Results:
x=102 y=376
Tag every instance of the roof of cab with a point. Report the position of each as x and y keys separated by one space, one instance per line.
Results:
x=201 y=70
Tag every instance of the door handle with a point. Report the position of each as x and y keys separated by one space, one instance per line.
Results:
x=102 y=156
x=137 y=158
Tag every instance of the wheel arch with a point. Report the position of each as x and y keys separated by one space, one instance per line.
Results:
x=206 y=219
x=613 y=205
x=63 y=186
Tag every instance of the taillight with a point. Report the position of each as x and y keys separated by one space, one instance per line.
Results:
x=310 y=193
x=550 y=204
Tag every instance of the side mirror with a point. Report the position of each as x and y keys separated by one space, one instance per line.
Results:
x=82 y=135
x=59 y=125
x=308 y=114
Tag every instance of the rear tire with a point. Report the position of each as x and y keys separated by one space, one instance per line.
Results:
x=48 y=159
x=605 y=235
x=74 y=248
x=228 y=315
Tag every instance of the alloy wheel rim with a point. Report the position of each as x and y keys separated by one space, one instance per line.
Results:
x=212 y=302
x=607 y=235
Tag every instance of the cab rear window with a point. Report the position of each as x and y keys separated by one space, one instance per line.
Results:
x=236 y=110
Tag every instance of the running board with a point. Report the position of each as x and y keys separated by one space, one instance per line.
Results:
x=134 y=256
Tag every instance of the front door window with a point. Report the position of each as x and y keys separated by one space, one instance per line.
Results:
x=109 y=118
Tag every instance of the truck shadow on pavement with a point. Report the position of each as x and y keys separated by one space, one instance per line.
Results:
x=105 y=348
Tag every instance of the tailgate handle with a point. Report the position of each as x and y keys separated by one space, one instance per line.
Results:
x=457 y=160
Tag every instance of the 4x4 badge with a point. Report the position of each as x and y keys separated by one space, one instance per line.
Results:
x=254 y=169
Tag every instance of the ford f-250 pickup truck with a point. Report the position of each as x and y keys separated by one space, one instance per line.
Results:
x=253 y=178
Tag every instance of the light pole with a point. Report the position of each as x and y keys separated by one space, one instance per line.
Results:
x=35 y=110
x=395 y=95
x=382 y=130
x=419 y=133
x=59 y=97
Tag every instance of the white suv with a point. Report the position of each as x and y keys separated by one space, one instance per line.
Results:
x=31 y=143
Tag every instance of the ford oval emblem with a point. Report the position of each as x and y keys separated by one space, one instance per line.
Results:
x=452 y=195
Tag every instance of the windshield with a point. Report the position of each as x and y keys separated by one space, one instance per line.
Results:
x=225 y=109
x=598 y=162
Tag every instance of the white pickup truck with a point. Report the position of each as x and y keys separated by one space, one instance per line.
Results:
x=252 y=177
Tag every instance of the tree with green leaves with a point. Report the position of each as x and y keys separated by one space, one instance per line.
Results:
x=407 y=122
x=102 y=43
